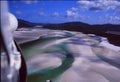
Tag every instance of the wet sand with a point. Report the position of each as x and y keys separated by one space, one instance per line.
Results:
x=75 y=58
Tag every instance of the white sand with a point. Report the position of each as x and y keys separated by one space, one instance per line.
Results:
x=87 y=67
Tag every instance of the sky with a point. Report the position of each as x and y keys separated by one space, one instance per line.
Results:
x=60 y=11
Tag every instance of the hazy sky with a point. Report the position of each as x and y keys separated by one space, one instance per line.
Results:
x=59 y=11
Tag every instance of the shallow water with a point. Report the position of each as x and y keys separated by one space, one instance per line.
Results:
x=64 y=56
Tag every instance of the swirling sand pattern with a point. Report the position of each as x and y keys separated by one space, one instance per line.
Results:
x=64 y=56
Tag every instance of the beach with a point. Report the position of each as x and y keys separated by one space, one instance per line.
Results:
x=67 y=56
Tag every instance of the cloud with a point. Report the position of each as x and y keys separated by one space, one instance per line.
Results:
x=99 y=5
x=56 y=14
x=29 y=1
x=73 y=14
x=114 y=18
x=118 y=9
x=74 y=9
x=96 y=9
x=42 y=14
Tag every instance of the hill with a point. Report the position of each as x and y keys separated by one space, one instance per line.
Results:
x=112 y=32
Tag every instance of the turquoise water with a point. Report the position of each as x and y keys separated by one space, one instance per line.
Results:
x=68 y=56
x=48 y=73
